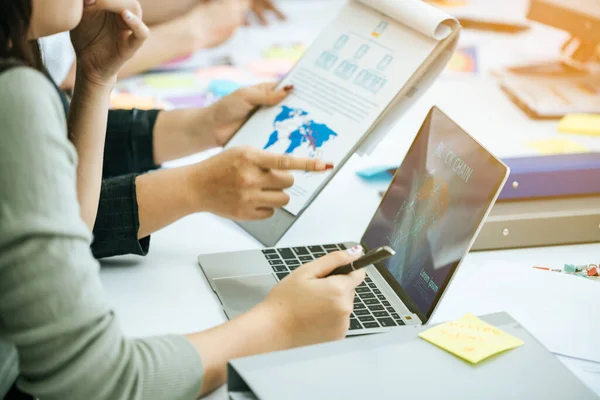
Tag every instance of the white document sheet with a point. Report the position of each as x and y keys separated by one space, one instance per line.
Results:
x=560 y=310
x=344 y=82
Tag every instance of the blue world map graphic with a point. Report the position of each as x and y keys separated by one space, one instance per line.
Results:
x=304 y=131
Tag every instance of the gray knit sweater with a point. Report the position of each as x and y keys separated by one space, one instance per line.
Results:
x=58 y=333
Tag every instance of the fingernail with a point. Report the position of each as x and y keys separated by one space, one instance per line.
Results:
x=128 y=15
x=89 y=2
x=320 y=166
x=288 y=88
x=328 y=166
x=355 y=251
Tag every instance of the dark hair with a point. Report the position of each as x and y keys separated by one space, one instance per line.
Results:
x=15 y=20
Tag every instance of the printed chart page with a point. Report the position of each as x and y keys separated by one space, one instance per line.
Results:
x=343 y=83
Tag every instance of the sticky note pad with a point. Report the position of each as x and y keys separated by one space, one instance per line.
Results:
x=222 y=72
x=128 y=101
x=583 y=124
x=274 y=68
x=289 y=52
x=170 y=81
x=176 y=61
x=222 y=88
x=378 y=172
x=557 y=146
x=470 y=338
x=194 y=100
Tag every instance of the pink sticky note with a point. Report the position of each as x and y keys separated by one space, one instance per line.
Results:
x=271 y=68
x=222 y=73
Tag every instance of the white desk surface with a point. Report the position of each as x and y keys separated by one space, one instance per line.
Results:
x=166 y=292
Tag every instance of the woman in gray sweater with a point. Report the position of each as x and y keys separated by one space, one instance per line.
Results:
x=59 y=338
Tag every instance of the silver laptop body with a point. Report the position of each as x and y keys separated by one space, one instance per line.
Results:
x=430 y=215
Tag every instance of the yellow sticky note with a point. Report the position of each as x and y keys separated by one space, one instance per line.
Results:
x=128 y=101
x=470 y=338
x=290 y=52
x=584 y=124
x=170 y=80
x=557 y=146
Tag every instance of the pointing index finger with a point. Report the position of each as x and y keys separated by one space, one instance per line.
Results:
x=286 y=162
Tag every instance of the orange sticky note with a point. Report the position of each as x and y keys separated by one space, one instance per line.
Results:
x=128 y=101
x=470 y=338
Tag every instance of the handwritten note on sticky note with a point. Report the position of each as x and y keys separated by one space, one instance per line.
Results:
x=557 y=146
x=470 y=338
x=583 y=124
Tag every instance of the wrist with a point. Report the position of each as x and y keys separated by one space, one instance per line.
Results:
x=211 y=125
x=199 y=128
x=93 y=82
x=273 y=320
x=190 y=178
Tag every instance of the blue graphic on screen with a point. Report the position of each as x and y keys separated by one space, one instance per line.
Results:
x=303 y=132
x=433 y=208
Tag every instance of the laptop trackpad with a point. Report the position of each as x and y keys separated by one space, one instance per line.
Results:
x=239 y=294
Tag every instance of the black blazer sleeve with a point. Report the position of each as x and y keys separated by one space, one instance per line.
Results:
x=128 y=152
x=117 y=222
x=129 y=142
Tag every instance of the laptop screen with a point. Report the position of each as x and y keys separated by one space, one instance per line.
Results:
x=433 y=209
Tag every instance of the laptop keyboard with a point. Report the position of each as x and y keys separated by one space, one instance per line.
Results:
x=371 y=308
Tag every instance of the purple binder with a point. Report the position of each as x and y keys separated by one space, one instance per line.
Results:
x=552 y=176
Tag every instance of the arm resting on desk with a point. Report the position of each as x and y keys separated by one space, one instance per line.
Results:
x=139 y=141
x=135 y=139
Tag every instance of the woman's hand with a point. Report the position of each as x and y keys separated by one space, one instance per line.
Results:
x=179 y=133
x=313 y=308
x=110 y=33
x=262 y=7
x=226 y=116
x=305 y=308
x=245 y=183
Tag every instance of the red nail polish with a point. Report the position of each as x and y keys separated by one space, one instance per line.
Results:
x=288 y=88
x=328 y=166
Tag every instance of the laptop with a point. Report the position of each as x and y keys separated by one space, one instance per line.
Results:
x=430 y=215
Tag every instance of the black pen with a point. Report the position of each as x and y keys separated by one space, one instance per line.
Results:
x=372 y=257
